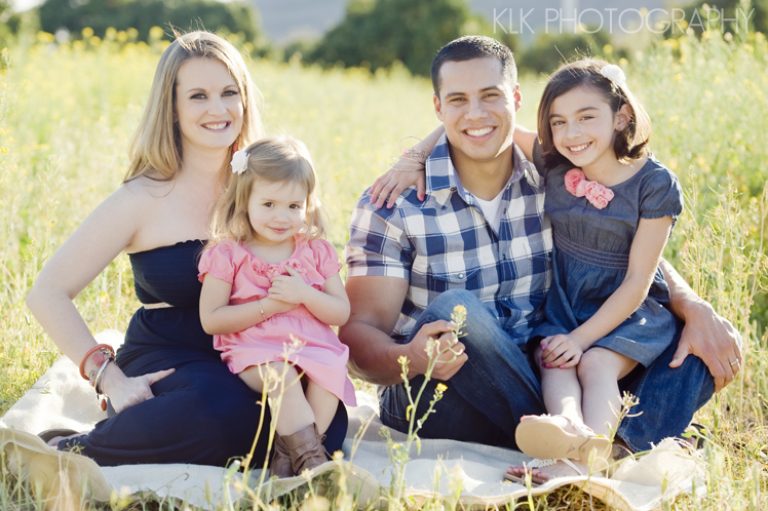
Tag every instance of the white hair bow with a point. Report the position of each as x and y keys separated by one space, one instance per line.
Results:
x=615 y=74
x=239 y=161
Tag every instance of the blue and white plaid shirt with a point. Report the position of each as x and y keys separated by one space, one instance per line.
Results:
x=446 y=242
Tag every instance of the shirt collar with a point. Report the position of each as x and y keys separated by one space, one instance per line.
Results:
x=443 y=180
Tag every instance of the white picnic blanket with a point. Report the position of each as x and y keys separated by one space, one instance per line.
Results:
x=471 y=473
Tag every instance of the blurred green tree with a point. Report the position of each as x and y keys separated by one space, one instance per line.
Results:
x=7 y=23
x=377 y=33
x=74 y=15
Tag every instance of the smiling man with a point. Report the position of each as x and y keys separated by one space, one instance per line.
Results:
x=480 y=240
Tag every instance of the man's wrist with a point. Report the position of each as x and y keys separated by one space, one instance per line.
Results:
x=691 y=306
x=399 y=352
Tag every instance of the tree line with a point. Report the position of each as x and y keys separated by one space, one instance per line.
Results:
x=373 y=34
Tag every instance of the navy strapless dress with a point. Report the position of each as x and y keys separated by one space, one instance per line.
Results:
x=202 y=413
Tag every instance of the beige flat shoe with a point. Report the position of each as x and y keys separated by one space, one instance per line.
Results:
x=555 y=436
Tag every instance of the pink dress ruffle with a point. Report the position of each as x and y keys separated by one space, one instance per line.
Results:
x=323 y=358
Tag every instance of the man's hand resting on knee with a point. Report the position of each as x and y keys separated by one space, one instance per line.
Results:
x=374 y=355
x=447 y=349
x=706 y=334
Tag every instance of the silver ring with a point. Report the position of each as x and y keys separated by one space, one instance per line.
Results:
x=734 y=362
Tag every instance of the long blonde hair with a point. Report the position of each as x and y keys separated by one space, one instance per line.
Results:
x=156 y=149
x=272 y=159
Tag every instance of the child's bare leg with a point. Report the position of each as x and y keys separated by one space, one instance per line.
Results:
x=324 y=405
x=561 y=390
x=288 y=404
x=599 y=372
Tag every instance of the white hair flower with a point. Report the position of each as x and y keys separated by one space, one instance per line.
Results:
x=615 y=74
x=239 y=161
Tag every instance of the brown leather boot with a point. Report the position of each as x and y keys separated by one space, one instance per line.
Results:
x=280 y=465
x=305 y=449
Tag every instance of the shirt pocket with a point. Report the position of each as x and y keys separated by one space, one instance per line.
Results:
x=442 y=276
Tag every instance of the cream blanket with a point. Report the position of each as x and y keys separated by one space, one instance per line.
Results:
x=471 y=473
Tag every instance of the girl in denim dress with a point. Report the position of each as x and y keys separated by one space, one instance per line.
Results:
x=612 y=208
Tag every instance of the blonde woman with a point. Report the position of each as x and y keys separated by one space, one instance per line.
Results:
x=173 y=400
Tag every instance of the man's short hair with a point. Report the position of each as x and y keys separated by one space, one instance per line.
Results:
x=474 y=47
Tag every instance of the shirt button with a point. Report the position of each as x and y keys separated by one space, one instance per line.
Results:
x=461 y=275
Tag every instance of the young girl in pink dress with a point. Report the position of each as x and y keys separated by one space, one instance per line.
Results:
x=271 y=288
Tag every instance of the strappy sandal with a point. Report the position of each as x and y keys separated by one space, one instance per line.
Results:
x=530 y=467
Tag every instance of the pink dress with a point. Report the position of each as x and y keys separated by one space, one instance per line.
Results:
x=323 y=357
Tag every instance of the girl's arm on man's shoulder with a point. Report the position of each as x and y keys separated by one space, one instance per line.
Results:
x=407 y=171
x=525 y=140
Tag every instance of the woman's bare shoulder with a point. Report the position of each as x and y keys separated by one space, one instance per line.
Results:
x=145 y=188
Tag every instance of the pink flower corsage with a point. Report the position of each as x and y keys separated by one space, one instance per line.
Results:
x=578 y=185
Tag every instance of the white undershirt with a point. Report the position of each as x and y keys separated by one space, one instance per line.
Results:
x=490 y=210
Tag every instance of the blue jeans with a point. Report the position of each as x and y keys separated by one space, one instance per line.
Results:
x=497 y=385
x=668 y=398
x=487 y=396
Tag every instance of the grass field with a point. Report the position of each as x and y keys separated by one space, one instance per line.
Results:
x=67 y=114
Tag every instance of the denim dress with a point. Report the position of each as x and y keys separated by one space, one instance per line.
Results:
x=591 y=255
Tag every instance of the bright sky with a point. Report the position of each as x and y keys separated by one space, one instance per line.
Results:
x=23 y=5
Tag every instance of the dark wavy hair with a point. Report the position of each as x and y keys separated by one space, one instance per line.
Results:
x=629 y=144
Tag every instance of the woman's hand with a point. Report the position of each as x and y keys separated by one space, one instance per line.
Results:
x=124 y=391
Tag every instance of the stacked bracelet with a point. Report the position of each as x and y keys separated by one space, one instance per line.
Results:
x=99 y=374
x=97 y=384
x=102 y=351
x=102 y=355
